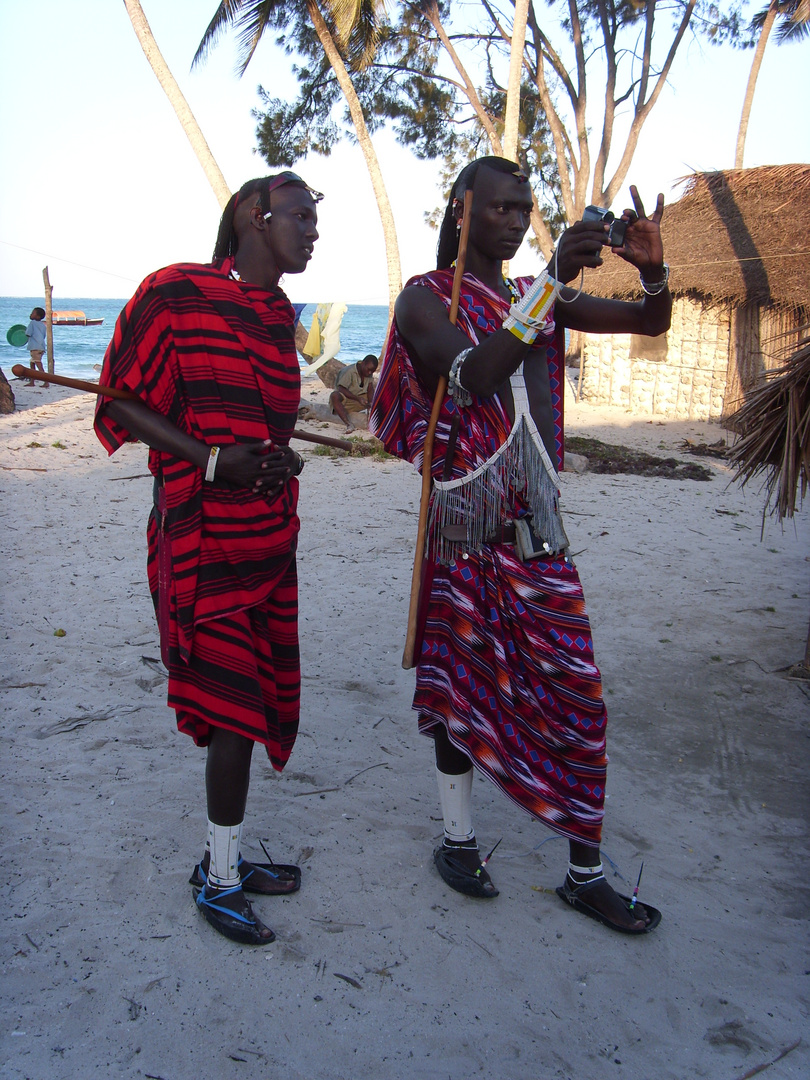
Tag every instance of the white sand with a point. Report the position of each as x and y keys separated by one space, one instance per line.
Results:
x=109 y=971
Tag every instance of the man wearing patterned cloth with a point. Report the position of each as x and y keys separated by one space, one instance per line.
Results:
x=505 y=674
x=210 y=352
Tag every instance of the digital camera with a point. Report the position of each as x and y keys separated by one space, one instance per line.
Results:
x=615 y=237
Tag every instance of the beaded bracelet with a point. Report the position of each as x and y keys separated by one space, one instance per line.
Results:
x=526 y=318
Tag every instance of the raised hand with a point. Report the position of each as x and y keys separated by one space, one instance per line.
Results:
x=642 y=246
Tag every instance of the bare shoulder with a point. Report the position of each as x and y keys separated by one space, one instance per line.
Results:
x=416 y=308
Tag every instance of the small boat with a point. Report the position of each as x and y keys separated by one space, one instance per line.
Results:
x=73 y=318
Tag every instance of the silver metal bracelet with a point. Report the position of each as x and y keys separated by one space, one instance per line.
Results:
x=655 y=287
x=454 y=385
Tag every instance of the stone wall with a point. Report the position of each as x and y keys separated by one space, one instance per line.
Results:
x=682 y=376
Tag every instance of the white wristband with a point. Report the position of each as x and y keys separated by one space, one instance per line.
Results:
x=212 y=464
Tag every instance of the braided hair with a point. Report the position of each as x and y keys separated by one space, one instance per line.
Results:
x=447 y=250
x=227 y=242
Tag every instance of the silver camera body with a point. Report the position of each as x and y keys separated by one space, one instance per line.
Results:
x=615 y=236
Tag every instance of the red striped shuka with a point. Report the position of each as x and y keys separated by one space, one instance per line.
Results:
x=506 y=662
x=217 y=357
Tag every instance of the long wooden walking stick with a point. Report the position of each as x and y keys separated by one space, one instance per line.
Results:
x=124 y=395
x=427 y=453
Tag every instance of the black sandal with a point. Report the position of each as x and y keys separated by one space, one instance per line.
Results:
x=461 y=877
x=573 y=893
x=246 y=929
x=279 y=886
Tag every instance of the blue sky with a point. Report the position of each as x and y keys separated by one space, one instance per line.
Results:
x=98 y=181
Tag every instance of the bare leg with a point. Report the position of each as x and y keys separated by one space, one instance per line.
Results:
x=227 y=776
x=36 y=365
x=449 y=759
x=336 y=401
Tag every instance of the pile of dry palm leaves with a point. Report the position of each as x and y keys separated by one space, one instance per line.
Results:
x=775 y=427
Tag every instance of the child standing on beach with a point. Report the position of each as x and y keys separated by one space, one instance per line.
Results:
x=35 y=332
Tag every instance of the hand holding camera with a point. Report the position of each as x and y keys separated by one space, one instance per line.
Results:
x=634 y=237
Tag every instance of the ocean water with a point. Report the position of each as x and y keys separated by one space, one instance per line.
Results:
x=79 y=350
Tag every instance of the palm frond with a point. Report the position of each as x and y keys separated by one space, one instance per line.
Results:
x=223 y=18
x=250 y=17
x=795 y=26
x=357 y=28
x=793 y=19
x=774 y=424
x=252 y=23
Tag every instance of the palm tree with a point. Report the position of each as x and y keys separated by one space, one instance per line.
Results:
x=794 y=24
x=353 y=36
x=175 y=95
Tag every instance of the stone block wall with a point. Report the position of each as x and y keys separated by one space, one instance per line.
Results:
x=688 y=384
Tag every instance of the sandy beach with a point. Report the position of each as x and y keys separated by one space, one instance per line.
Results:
x=379 y=971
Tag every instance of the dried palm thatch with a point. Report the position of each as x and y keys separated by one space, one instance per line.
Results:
x=774 y=425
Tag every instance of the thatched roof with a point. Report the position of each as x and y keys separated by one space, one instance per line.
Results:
x=736 y=236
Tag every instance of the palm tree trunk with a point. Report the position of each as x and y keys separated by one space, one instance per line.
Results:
x=512 y=113
x=756 y=63
x=177 y=101
x=369 y=153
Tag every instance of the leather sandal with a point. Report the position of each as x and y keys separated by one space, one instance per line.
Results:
x=573 y=892
x=459 y=876
x=268 y=883
x=241 y=926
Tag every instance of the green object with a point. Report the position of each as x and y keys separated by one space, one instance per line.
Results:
x=17 y=336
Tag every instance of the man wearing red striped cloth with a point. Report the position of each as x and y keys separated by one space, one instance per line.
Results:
x=505 y=672
x=210 y=352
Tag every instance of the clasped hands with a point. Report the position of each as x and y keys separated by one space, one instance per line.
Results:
x=261 y=466
x=581 y=245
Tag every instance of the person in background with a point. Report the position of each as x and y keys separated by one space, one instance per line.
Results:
x=354 y=389
x=36 y=334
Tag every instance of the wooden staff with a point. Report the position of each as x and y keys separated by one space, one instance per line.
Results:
x=427 y=453
x=124 y=395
